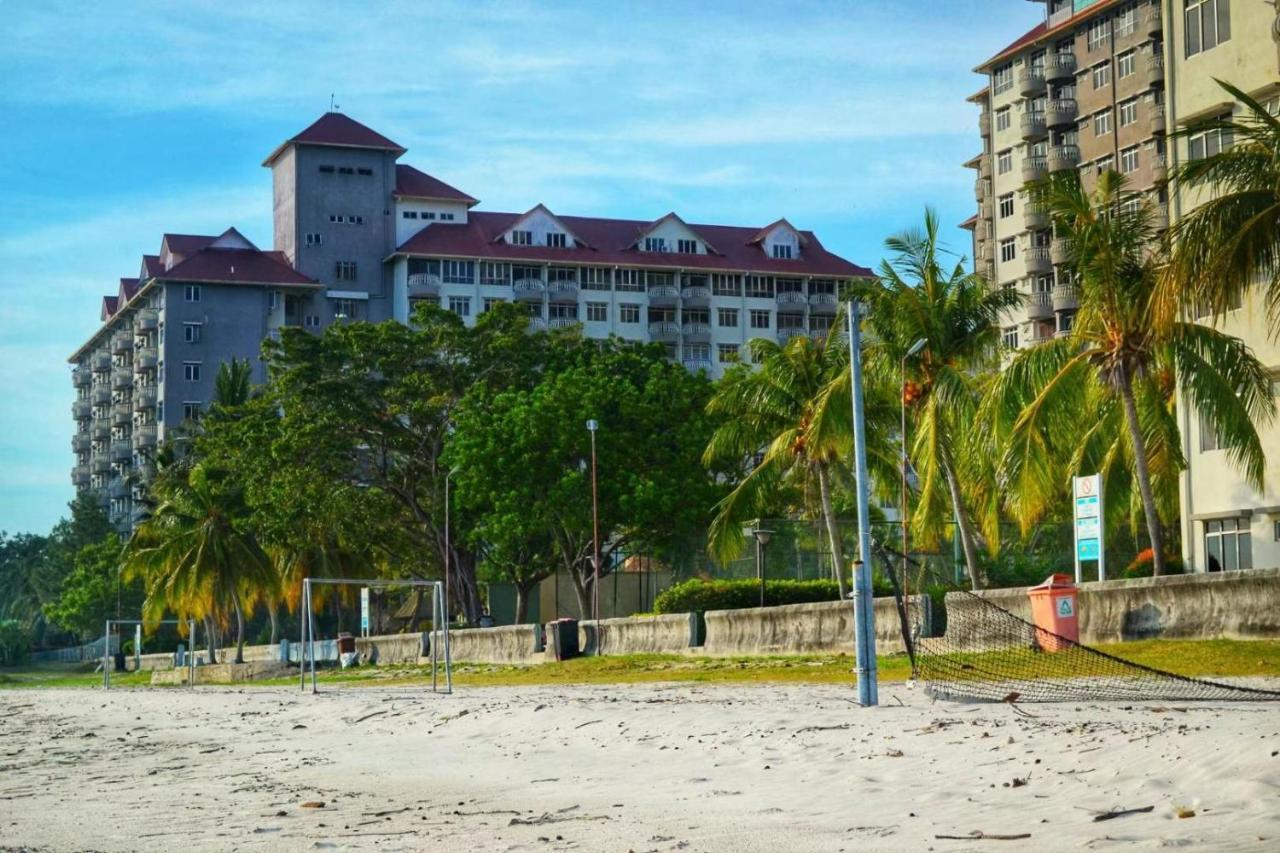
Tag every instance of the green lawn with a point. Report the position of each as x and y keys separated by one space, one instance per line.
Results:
x=1205 y=658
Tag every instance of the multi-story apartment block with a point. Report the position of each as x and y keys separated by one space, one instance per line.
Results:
x=1098 y=85
x=359 y=236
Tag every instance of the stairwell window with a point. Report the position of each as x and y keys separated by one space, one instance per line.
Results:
x=192 y=332
x=345 y=271
x=1228 y=545
x=759 y=319
x=1125 y=63
x=1003 y=118
x=628 y=313
x=1129 y=160
x=598 y=312
x=191 y=371
x=727 y=318
x=1102 y=75
x=1102 y=123
x=460 y=305
x=1008 y=250
x=191 y=293
x=1006 y=206
x=1004 y=162
x=1128 y=112
x=1208 y=24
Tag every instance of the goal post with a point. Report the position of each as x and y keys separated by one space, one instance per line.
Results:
x=440 y=652
x=107 y=662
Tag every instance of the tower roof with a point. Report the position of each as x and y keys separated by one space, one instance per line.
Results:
x=339 y=131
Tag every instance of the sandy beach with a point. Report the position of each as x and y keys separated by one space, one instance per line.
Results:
x=640 y=767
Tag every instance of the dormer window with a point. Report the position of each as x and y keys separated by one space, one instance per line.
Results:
x=782 y=251
x=655 y=244
x=556 y=240
x=522 y=238
x=687 y=247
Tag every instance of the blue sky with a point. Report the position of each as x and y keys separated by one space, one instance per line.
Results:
x=126 y=120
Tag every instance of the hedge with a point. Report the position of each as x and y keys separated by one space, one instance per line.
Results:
x=702 y=595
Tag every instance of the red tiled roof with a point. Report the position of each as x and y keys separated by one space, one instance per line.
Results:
x=339 y=130
x=151 y=266
x=760 y=235
x=412 y=183
x=185 y=244
x=1042 y=29
x=128 y=288
x=609 y=240
x=237 y=266
x=970 y=223
x=109 y=305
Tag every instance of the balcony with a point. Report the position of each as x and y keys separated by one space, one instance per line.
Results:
x=100 y=463
x=122 y=342
x=100 y=430
x=122 y=378
x=423 y=284
x=1060 y=67
x=1035 y=217
x=697 y=332
x=80 y=442
x=1061 y=112
x=80 y=476
x=145 y=359
x=100 y=395
x=666 y=331
x=984 y=165
x=1155 y=70
x=144 y=398
x=1030 y=80
x=664 y=295
x=983 y=252
x=1033 y=126
x=786 y=333
x=1038 y=262
x=81 y=377
x=82 y=409
x=984 y=123
x=101 y=361
x=121 y=449
x=145 y=435
x=697 y=362
x=1040 y=305
x=791 y=302
x=1061 y=251
x=1063 y=157
x=1041 y=332
x=981 y=189
x=1064 y=298
x=1160 y=216
x=537 y=324
x=528 y=289
x=119 y=488
x=696 y=296
x=985 y=269
x=823 y=303
x=1152 y=20
x=122 y=413
x=563 y=322
x=562 y=290
x=1157 y=118
x=1034 y=168
x=148 y=320
x=1159 y=167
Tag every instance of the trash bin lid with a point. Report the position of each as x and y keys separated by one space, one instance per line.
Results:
x=1056 y=581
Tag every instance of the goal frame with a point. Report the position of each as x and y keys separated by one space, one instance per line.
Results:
x=106 y=646
x=439 y=623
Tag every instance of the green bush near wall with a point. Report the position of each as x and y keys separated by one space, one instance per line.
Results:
x=699 y=596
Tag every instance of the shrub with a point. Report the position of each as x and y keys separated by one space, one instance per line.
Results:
x=702 y=595
x=15 y=642
x=1141 y=567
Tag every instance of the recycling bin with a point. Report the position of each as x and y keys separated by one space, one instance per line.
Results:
x=562 y=636
x=1055 y=612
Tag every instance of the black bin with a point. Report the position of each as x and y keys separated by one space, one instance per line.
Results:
x=562 y=637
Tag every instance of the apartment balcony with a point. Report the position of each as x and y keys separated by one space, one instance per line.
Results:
x=1041 y=332
x=1033 y=126
x=563 y=322
x=1160 y=216
x=1064 y=298
x=121 y=449
x=100 y=430
x=422 y=284
x=984 y=123
x=119 y=488
x=1040 y=305
x=81 y=377
x=82 y=409
x=122 y=342
x=1063 y=157
x=1038 y=261
x=144 y=398
x=145 y=359
x=122 y=378
x=100 y=395
x=791 y=302
x=697 y=332
x=666 y=331
x=101 y=361
x=786 y=333
x=537 y=324
x=1034 y=168
x=985 y=209
x=986 y=269
x=697 y=362
x=1061 y=112
x=562 y=290
x=984 y=166
x=1152 y=21
x=148 y=320
x=1061 y=250
x=981 y=189
x=664 y=295
x=1030 y=80
x=144 y=435
x=1060 y=67
x=1034 y=217
x=80 y=476
x=1155 y=70
x=122 y=413
x=983 y=252
x=100 y=463
x=696 y=296
x=1157 y=118
x=823 y=303
x=80 y=442
x=528 y=289
x=1159 y=167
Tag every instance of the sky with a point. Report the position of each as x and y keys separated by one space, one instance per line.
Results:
x=127 y=120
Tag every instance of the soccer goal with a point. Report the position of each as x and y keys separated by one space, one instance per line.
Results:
x=310 y=646
x=137 y=646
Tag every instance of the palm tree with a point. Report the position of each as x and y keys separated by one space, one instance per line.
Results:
x=1103 y=394
x=791 y=416
x=957 y=314
x=194 y=557
x=1232 y=240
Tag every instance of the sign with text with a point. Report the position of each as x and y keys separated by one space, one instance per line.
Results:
x=1087 y=496
x=364 y=610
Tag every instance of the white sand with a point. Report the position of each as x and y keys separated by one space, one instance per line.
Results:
x=733 y=768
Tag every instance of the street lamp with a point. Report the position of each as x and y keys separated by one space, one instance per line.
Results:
x=915 y=348
x=761 y=537
x=592 y=426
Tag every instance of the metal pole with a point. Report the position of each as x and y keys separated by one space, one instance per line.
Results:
x=763 y=569
x=595 y=527
x=447 y=477
x=106 y=655
x=448 y=665
x=302 y=637
x=311 y=635
x=435 y=652
x=191 y=653
x=863 y=608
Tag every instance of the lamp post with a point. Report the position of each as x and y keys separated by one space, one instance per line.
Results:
x=592 y=426
x=864 y=625
x=761 y=537
x=915 y=348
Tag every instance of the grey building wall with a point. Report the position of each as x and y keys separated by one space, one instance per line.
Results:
x=284 y=206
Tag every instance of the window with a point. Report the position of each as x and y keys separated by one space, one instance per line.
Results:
x=1227 y=545
x=191 y=371
x=1206 y=143
x=628 y=313
x=522 y=238
x=628 y=280
x=1102 y=75
x=1129 y=160
x=191 y=293
x=346 y=271
x=1010 y=337
x=326 y=170
x=313 y=239
x=428 y=214
x=160 y=373
x=759 y=319
x=1006 y=206
x=191 y=411
x=491 y=302
x=1208 y=435
x=598 y=312
x=311 y=321
x=191 y=332
x=1126 y=21
x=1003 y=118
x=595 y=278
x=364 y=171
x=1208 y=24
x=782 y=251
x=563 y=312
x=346 y=170
x=759 y=287
x=655 y=244
x=446 y=217
x=1125 y=64
x=1104 y=164
x=556 y=240
x=727 y=353
x=494 y=274
x=1128 y=112
x=1008 y=250
x=727 y=317
x=460 y=305
x=1004 y=162
x=1097 y=34
x=344 y=308
x=410 y=214
x=1102 y=123
x=1002 y=78
x=687 y=247
x=459 y=272
x=724 y=284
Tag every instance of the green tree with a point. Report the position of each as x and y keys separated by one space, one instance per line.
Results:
x=957 y=314
x=1102 y=396
x=95 y=591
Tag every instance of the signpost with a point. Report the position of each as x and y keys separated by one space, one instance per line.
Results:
x=1087 y=493
x=364 y=611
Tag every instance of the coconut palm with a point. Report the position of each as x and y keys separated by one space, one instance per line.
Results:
x=1102 y=396
x=1232 y=240
x=791 y=416
x=918 y=297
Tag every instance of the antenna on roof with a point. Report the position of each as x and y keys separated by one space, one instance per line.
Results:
x=333 y=106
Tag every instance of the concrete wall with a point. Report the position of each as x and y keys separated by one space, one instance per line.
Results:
x=504 y=644
x=670 y=633
x=823 y=627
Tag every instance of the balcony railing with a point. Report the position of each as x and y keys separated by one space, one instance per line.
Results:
x=145 y=359
x=537 y=324
x=82 y=409
x=562 y=290
x=1154 y=23
x=100 y=463
x=1061 y=112
x=122 y=449
x=80 y=442
x=144 y=435
x=528 y=289
x=122 y=378
x=824 y=303
x=984 y=123
x=1160 y=216
x=1035 y=216
x=144 y=397
x=696 y=294
x=664 y=330
x=1040 y=305
x=81 y=377
x=100 y=430
x=786 y=333
x=148 y=320
x=697 y=362
x=122 y=342
x=100 y=395
x=696 y=331
x=1030 y=80
x=563 y=322
x=1155 y=70
x=1038 y=259
x=101 y=361
x=1034 y=168
x=663 y=294
x=1157 y=118
x=80 y=476
x=1033 y=126
x=1064 y=297
x=1061 y=250
x=791 y=301
x=423 y=284
x=122 y=413
x=1063 y=157
x=1159 y=167
x=1059 y=67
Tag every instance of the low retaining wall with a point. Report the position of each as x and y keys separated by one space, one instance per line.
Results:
x=396 y=648
x=819 y=628
x=225 y=673
x=502 y=644
x=669 y=633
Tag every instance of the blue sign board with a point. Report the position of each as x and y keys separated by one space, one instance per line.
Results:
x=1087 y=549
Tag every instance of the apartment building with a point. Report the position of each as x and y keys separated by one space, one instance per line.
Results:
x=360 y=236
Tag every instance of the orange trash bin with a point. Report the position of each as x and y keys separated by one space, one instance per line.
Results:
x=1055 y=613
